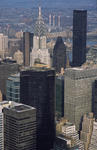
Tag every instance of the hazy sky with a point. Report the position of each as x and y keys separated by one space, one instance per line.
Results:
x=47 y=3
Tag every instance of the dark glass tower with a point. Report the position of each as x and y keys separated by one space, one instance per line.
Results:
x=27 y=46
x=37 y=89
x=79 y=37
x=59 y=55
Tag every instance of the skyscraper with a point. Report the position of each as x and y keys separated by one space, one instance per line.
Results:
x=79 y=37
x=27 y=46
x=13 y=88
x=78 y=93
x=19 y=127
x=6 y=69
x=37 y=89
x=39 y=52
x=2 y=105
x=59 y=55
x=3 y=45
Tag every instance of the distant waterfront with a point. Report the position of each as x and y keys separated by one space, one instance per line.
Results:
x=92 y=43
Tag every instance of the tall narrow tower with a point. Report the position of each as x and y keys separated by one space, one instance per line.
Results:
x=59 y=21
x=50 y=19
x=40 y=15
x=3 y=45
x=79 y=37
x=53 y=20
x=39 y=51
x=27 y=46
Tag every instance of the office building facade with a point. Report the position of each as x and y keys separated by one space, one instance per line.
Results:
x=13 y=88
x=37 y=89
x=6 y=69
x=79 y=37
x=2 y=105
x=78 y=93
x=19 y=127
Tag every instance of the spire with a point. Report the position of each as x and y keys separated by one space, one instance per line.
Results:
x=40 y=14
x=40 y=27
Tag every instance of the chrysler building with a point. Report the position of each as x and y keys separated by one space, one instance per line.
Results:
x=40 y=52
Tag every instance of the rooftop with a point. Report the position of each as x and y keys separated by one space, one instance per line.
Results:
x=63 y=137
x=80 y=73
x=68 y=124
x=40 y=67
x=14 y=77
x=21 y=108
x=3 y=104
x=17 y=107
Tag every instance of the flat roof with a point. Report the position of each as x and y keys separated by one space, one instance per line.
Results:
x=68 y=124
x=21 y=108
x=35 y=68
x=14 y=106
x=63 y=137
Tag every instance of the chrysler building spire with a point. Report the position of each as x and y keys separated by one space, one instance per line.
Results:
x=40 y=27
x=40 y=14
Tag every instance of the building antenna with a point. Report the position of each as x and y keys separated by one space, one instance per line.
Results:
x=40 y=14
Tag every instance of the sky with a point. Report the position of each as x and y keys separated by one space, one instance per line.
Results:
x=48 y=3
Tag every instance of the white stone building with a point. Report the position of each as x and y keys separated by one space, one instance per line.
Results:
x=18 y=56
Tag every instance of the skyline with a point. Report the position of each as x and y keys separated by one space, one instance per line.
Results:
x=48 y=77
